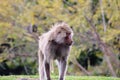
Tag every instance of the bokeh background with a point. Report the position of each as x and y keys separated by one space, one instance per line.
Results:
x=96 y=26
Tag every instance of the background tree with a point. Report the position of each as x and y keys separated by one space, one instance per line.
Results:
x=17 y=15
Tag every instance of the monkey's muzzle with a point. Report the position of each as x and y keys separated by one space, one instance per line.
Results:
x=69 y=43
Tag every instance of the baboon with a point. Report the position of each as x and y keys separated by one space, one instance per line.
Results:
x=54 y=45
x=32 y=28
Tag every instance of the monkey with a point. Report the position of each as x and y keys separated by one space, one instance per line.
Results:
x=54 y=45
x=33 y=31
x=4 y=46
x=32 y=28
x=35 y=28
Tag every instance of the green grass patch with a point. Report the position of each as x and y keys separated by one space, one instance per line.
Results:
x=31 y=77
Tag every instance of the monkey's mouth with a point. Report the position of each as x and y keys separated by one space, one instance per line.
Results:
x=62 y=44
x=69 y=43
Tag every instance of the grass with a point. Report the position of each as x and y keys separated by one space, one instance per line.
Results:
x=31 y=77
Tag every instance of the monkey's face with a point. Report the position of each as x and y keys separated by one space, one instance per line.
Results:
x=64 y=36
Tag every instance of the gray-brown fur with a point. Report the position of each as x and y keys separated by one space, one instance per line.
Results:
x=55 y=44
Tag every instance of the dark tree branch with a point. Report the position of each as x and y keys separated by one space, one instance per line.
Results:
x=104 y=48
x=81 y=67
x=11 y=56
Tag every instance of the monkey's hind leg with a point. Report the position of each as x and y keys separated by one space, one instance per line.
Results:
x=41 y=65
x=62 y=66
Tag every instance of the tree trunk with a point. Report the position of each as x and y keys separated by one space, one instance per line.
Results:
x=105 y=49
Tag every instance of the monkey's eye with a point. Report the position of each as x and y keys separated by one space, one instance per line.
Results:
x=68 y=33
x=62 y=28
x=59 y=32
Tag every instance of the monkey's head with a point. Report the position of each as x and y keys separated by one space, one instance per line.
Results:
x=62 y=34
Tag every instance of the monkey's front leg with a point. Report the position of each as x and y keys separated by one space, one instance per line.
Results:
x=47 y=70
x=62 y=63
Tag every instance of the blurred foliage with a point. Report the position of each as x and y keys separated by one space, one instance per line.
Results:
x=17 y=15
x=90 y=57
